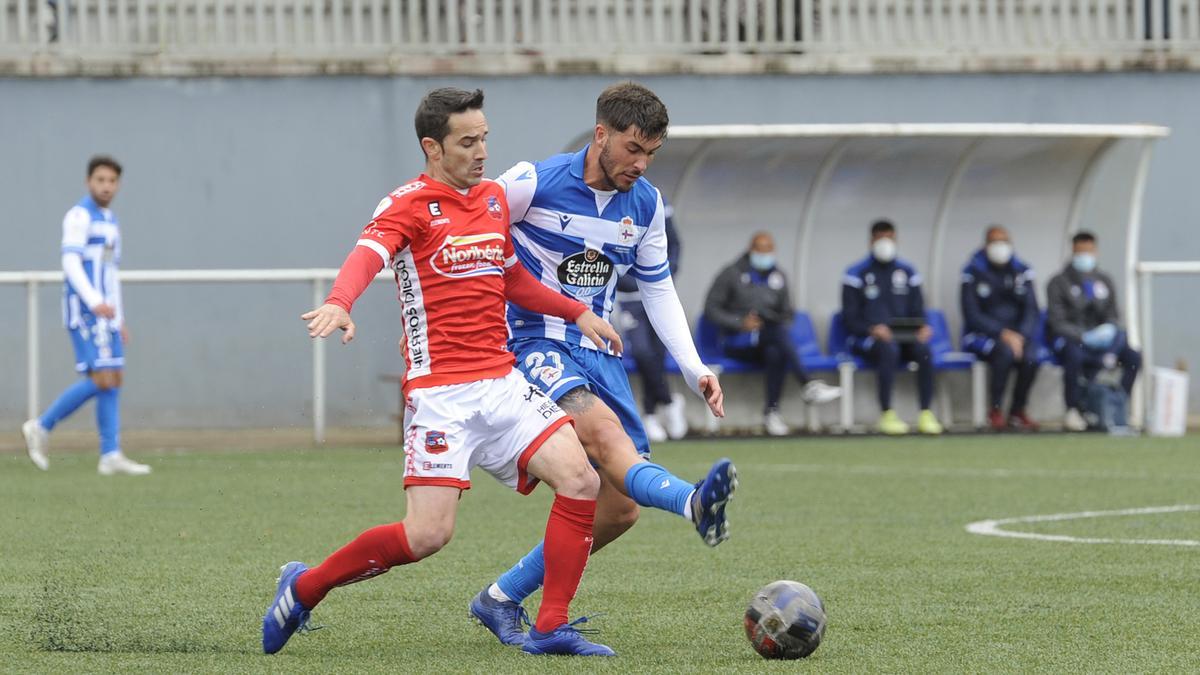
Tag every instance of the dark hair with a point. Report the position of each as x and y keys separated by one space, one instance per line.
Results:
x=627 y=103
x=434 y=111
x=103 y=160
x=882 y=226
x=1083 y=236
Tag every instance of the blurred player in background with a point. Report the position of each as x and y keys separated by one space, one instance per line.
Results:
x=882 y=304
x=446 y=236
x=1084 y=328
x=581 y=220
x=94 y=317
x=649 y=353
x=1000 y=321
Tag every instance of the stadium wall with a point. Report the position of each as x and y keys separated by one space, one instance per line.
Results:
x=282 y=172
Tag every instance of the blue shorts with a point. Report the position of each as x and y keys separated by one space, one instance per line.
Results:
x=558 y=367
x=96 y=346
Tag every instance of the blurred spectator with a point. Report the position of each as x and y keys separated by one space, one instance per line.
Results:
x=649 y=353
x=750 y=302
x=1084 y=328
x=884 y=315
x=1000 y=318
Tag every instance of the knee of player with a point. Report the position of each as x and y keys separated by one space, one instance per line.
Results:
x=425 y=539
x=580 y=481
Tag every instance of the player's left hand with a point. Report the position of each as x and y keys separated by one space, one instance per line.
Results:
x=124 y=335
x=710 y=389
x=924 y=334
x=599 y=331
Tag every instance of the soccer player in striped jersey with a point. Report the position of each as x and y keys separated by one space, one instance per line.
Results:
x=93 y=315
x=580 y=221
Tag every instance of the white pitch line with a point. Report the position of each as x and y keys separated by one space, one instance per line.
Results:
x=993 y=527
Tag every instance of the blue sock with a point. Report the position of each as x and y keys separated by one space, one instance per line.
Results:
x=649 y=484
x=68 y=402
x=108 y=419
x=525 y=577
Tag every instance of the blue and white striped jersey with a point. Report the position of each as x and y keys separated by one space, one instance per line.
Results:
x=579 y=240
x=91 y=233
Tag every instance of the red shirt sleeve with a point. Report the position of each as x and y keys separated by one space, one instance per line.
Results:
x=520 y=287
x=390 y=231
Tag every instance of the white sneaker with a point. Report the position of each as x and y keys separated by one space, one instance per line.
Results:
x=35 y=443
x=1073 y=421
x=116 y=462
x=775 y=424
x=677 y=426
x=654 y=429
x=817 y=392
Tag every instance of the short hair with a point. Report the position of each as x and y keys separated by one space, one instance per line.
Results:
x=882 y=226
x=1083 y=237
x=626 y=103
x=992 y=228
x=434 y=111
x=103 y=160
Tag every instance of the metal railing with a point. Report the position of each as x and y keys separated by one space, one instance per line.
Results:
x=909 y=32
x=1146 y=271
x=320 y=279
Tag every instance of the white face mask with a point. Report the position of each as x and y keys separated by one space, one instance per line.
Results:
x=1083 y=262
x=999 y=252
x=884 y=249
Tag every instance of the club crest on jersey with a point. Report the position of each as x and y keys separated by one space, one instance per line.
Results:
x=626 y=231
x=586 y=273
x=435 y=442
x=470 y=255
x=494 y=208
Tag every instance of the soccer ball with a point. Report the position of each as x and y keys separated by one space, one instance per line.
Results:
x=785 y=620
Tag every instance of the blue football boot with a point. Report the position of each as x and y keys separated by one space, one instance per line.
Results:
x=709 y=500
x=566 y=640
x=506 y=620
x=285 y=615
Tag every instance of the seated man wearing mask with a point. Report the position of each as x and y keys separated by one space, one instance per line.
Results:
x=749 y=301
x=1000 y=318
x=1084 y=327
x=884 y=315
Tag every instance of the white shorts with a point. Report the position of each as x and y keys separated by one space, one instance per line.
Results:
x=494 y=424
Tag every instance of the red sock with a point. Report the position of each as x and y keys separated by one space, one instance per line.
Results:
x=567 y=546
x=372 y=553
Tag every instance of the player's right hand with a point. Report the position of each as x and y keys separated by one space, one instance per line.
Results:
x=104 y=311
x=598 y=331
x=327 y=318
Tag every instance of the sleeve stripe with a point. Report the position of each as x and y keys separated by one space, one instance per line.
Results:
x=914 y=280
x=664 y=273
x=378 y=248
x=510 y=261
x=852 y=281
x=652 y=270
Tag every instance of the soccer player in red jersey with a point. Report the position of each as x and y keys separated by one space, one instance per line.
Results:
x=446 y=236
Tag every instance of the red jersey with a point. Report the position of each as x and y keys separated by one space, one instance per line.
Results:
x=449 y=252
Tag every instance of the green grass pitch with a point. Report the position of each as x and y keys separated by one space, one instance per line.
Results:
x=171 y=573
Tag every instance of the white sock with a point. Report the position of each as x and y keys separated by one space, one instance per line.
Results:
x=687 y=507
x=497 y=594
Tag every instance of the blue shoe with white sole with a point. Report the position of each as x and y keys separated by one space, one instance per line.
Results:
x=285 y=615
x=566 y=640
x=709 y=500
x=506 y=620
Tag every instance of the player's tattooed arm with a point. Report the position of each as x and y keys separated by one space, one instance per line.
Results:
x=577 y=401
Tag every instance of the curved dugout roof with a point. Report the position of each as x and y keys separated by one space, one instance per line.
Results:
x=817 y=188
